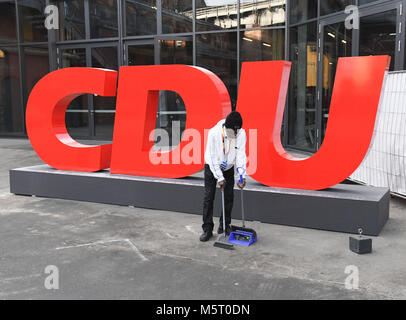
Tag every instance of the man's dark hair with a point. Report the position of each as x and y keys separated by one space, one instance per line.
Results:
x=234 y=121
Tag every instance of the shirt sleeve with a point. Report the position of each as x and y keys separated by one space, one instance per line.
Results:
x=241 y=157
x=213 y=163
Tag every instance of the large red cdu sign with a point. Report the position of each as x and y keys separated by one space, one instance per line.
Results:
x=261 y=101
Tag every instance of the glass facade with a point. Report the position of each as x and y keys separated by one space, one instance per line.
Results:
x=219 y=35
x=71 y=20
x=303 y=84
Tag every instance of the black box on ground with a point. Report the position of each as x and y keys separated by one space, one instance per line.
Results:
x=360 y=244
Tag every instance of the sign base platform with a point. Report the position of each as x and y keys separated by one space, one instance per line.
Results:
x=342 y=208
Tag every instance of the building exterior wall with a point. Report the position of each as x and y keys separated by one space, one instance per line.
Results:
x=215 y=34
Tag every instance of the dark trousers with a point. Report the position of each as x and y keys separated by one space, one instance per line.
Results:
x=210 y=184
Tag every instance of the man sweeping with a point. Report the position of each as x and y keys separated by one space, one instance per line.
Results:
x=225 y=151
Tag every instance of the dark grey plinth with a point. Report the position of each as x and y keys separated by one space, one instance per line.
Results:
x=343 y=208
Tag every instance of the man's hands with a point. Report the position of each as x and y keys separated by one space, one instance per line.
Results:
x=222 y=184
x=242 y=185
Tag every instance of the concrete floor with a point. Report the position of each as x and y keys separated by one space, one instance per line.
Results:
x=115 y=252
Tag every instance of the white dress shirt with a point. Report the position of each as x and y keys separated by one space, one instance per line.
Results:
x=234 y=152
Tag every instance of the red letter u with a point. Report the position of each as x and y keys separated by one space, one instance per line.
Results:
x=354 y=104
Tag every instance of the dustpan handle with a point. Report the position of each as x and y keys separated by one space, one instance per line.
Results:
x=242 y=209
x=241 y=171
x=224 y=214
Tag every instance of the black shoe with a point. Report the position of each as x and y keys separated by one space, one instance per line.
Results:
x=220 y=230
x=206 y=235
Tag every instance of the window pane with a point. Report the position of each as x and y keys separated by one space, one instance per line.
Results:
x=171 y=108
x=331 y=6
x=77 y=118
x=104 y=107
x=262 y=45
x=302 y=88
x=176 y=51
x=262 y=13
x=361 y=2
x=77 y=114
x=139 y=55
x=171 y=118
x=8 y=24
x=141 y=17
x=177 y=16
x=337 y=43
x=38 y=57
x=302 y=10
x=104 y=125
x=72 y=20
x=217 y=52
x=11 y=115
x=105 y=57
x=216 y=15
x=103 y=18
x=378 y=35
x=33 y=18
x=73 y=58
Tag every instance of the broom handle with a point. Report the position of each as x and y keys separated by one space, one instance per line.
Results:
x=242 y=209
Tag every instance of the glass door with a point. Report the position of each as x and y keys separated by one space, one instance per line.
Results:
x=103 y=109
x=171 y=109
x=90 y=116
x=78 y=114
x=378 y=34
x=139 y=53
x=336 y=41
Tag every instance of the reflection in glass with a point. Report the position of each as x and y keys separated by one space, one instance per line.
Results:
x=103 y=18
x=302 y=10
x=38 y=57
x=105 y=57
x=77 y=114
x=262 y=13
x=73 y=58
x=8 y=24
x=104 y=125
x=378 y=35
x=178 y=51
x=171 y=108
x=71 y=20
x=104 y=103
x=177 y=16
x=104 y=107
x=11 y=115
x=77 y=118
x=337 y=43
x=171 y=117
x=139 y=55
x=140 y=17
x=33 y=17
x=262 y=45
x=361 y=2
x=302 y=87
x=216 y=15
x=331 y=6
x=217 y=52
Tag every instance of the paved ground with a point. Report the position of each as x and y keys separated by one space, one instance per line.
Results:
x=104 y=251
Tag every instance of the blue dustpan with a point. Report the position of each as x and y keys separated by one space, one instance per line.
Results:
x=241 y=235
x=243 y=238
